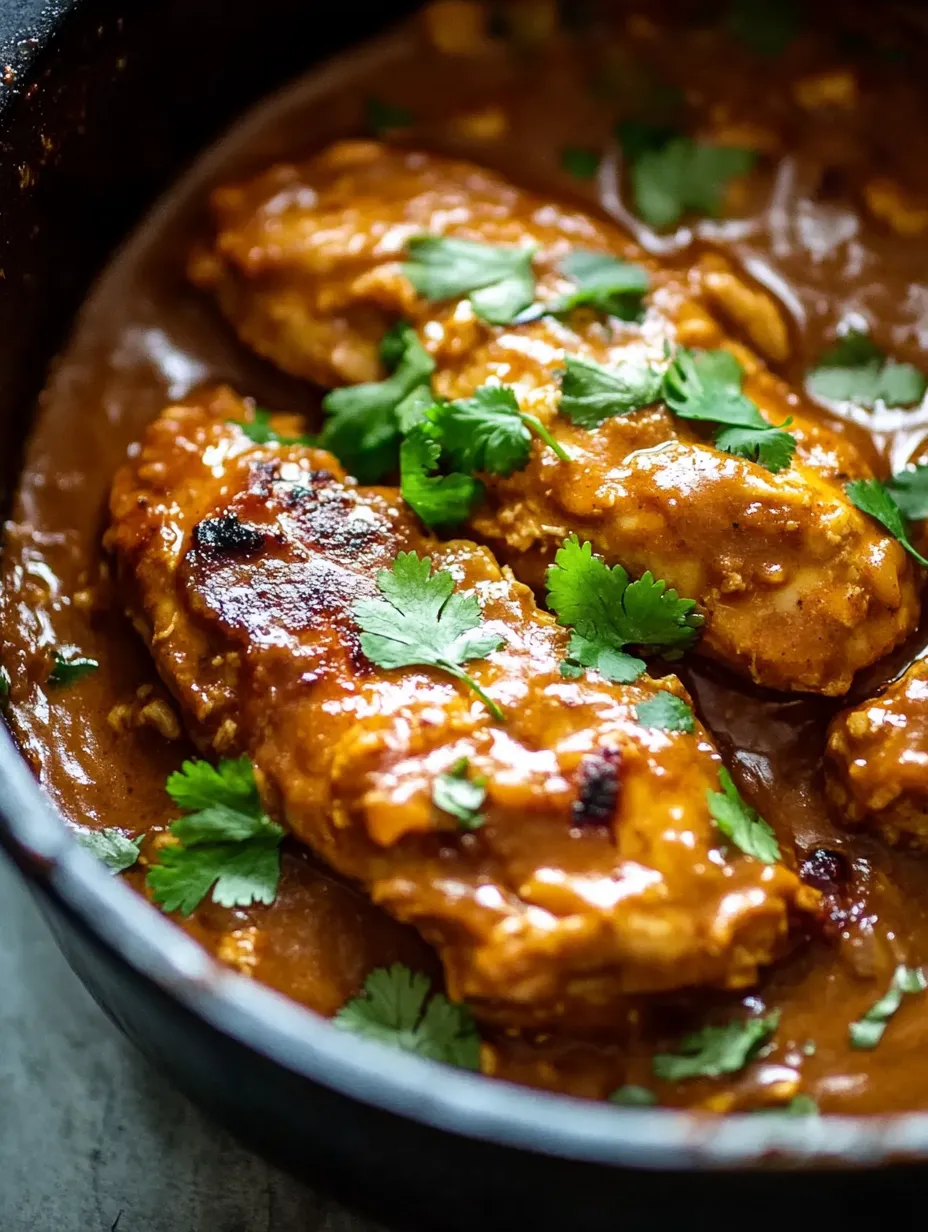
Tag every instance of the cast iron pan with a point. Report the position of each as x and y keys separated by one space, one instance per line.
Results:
x=100 y=107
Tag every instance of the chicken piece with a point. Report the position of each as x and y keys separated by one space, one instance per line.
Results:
x=878 y=761
x=598 y=872
x=799 y=589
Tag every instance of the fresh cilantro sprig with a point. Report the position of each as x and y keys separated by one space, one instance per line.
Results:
x=259 y=430
x=856 y=370
x=713 y=1051
x=601 y=282
x=69 y=666
x=591 y=394
x=363 y=424
x=672 y=175
x=488 y=432
x=666 y=712
x=706 y=386
x=439 y=500
x=111 y=846
x=421 y=622
x=226 y=842
x=395 y=1008
x=875 y=498
x=456 y=793
x=498 y=281
x=606 y=612
x=740 y=823
x=909 y=489
x=867 y=1031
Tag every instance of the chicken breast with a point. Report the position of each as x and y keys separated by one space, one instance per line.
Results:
x=800 y=590
x=878 y=761
x=598 y=870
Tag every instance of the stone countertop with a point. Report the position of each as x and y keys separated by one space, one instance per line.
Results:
x=92 y=1139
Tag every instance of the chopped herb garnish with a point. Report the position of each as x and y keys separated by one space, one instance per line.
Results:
x=362 y=428
x=488 y=432
x=713 y=1051
x=909 y=489
x=607 y=612
x=460 y=795
x=631 y=1096
x=740 y=823
x=874 y=498
x=68 y=666
x=673 y=175
x=259 y=430
x=800 y=1105
x=604 y=283
x=111 y=846
x=226 y=843
x=766 y=27
x=856 y=370
x=383 y=117
x=421 y=622
x=867 y=1031
x=591 y=394
x=706 y=386
x=395 y=1009
x=666 y=712
x=439 y=500
x=498 y=281
x=580 y=161
x=6 y=684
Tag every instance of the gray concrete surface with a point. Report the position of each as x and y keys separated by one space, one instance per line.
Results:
x=92 y=1139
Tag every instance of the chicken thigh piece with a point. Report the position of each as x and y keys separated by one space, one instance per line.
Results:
x=595 y=870
x=800 y=589
x=878 y=761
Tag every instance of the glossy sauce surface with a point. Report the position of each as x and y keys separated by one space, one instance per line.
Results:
x=809 y=225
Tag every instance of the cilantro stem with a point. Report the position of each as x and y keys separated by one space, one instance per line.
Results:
x=535 y=424
x=491 y=705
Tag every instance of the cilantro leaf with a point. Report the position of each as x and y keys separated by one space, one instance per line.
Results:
x=439 y=500
x=909 y=489
x=461 y=796
x=383 y=117
x=713 y=1051
x=580 y=161
x=766 y=27
x=604 y=283
x=499 y=281
x=856 y=370
x=874 y=498
x=673 y=175
x=631 y=1096
x=741 y=823
x=362 y=429
x=110 y=846
x=706 y=386
x=420 y=622
x=226 y=843
x=259 y=430
x=6 y=685
x=867 y=1031
x=488 y=432
x=666 y=712
x=69 y=665
x=591 y=394
x=392 y=1009
x=608 y=612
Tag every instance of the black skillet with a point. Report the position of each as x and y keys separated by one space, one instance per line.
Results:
x=101 y=105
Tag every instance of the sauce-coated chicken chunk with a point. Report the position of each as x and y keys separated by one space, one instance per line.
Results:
x=799 y=588
x=878 y=761
x=598 y=870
